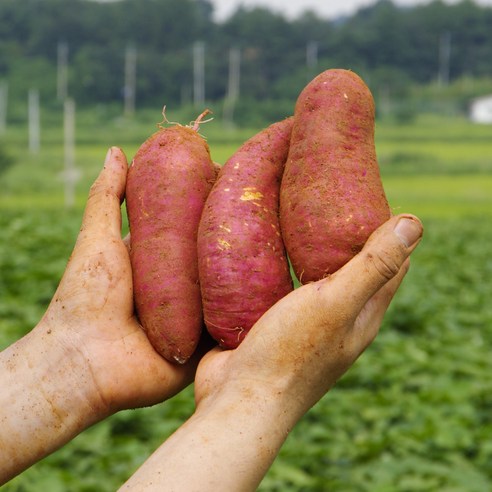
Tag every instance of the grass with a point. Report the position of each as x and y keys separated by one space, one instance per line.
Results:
x=441 y=196
x=432 y=167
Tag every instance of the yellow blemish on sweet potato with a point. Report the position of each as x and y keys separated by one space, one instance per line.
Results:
x=223 y=244
x=250 y=195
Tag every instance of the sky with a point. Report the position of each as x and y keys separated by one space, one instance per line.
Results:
x=329 y=9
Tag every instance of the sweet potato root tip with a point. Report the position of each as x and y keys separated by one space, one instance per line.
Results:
x=196 y=124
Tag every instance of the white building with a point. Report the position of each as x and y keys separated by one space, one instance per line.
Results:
x=481 y=110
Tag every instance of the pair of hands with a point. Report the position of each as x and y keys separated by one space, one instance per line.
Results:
x=304 y=343
x=89 y=357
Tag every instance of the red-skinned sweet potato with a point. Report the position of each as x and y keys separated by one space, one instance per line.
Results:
x=243 y=267
x=168 y=182
x=331 y=195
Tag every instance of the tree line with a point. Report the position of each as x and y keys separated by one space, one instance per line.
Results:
x=179 y=49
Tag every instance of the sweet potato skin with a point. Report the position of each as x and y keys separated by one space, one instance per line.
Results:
x=331 y=196
x=243 y=267
x=168 y=182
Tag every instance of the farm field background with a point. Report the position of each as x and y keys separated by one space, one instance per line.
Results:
x=413 y=414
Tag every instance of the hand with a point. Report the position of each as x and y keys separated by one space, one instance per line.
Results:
x=88 y=357
x=92 y=310
x=304 y=343
x=248 y=399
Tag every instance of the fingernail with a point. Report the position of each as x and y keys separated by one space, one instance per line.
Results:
x=108 y=156
x=408 y=230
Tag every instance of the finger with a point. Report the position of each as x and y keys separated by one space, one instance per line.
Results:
x=381 y=260
x=103 y=209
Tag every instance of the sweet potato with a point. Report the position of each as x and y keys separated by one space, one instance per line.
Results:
x=331 y=196
x=242 y=264
x=168 y=181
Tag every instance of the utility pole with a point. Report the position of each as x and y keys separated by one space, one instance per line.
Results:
x=70 y=173
x=199 y=74
x=33 y=121
x=4 y=91
x=233 y=85
x=62 y=71
x=130 y=88
x=312 y=56
x=444 y=58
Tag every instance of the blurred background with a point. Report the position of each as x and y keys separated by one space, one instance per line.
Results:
x=78 y=76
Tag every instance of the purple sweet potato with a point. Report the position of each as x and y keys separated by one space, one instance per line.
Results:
x=243 y=267
x=331 y=196
x=168 y=182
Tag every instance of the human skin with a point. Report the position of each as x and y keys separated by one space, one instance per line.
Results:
x=88 y=357
x=250 y=398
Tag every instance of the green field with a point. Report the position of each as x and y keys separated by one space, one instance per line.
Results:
x=413 y=414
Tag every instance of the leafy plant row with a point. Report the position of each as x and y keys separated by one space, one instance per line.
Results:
x=413 y=414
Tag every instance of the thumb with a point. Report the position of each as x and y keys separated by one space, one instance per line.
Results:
x=103 y=209
x=381 y=259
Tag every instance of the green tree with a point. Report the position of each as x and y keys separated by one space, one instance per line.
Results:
x=387 y=44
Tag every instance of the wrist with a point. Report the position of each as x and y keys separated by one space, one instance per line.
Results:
x=248 y=402
x=249 y=415
x=64 y=375
x=238 y=428
x=284 y=396
x=49 y=397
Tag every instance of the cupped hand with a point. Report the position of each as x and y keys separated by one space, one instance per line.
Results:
x=92 y=312
x=300 y=347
